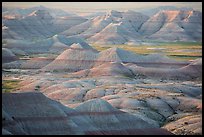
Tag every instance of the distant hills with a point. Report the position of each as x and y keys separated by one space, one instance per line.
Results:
x=26 y=11
x=152 y=11
x=132 y=27
x=174 y=25
x=36 y=23
x=114 y=27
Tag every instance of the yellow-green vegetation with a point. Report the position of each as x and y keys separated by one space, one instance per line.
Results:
x=66 y=76
x=176 y=50
x=20 y=56
x=184 y=58
x=43 y=55
x=9 y=85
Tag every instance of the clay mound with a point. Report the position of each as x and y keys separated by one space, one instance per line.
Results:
x=82 y=47
x=38 y=114
x=58 y=44
x=36 y=63
x=118 y=55
x=102 y=112
x=158 y=58
x=61 y=43
x=112 y=28
x=23 y=28
x=189 y=104
x=106 y=69
x=197 y=61
x=32 y=113
x=40 y=24
x=78 y=51
x=114 y=33
x=187 y=125
x=159 y=73
x=76 y=46
x=182 y=23
x=28 y=47
x=73 y=39
x=110 y=69
x=194 y=69
x=8 y=56
x=96 y=105
x=72 y=60
x=195 y=65
x=159 y=66
x=54 y=44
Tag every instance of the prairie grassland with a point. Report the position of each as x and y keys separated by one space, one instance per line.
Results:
x=177 y=50
x=9 y=85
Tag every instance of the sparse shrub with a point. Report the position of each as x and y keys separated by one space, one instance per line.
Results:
x=158 y=98
x=186 y=123
x=37 y=88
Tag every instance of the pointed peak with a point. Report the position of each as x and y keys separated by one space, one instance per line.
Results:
x=114 y=49
x=96 y=105
x=129 y=11
x=41 y=13
x=114 y=13
x=76 y=46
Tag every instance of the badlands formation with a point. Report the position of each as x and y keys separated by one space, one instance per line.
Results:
x=67 y=87
x=131 y=27
x=114 y=27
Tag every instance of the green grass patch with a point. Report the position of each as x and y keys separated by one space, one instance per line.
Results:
x=21 y=56
x=9 y=85
x=184 y=58
x=177 y=50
